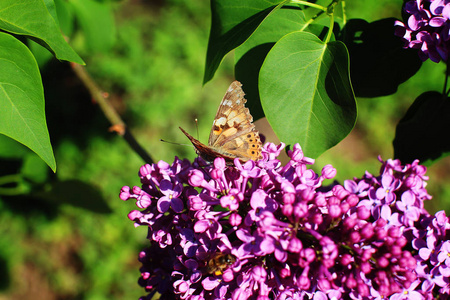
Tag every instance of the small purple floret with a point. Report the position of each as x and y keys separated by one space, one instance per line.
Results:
x=427 y=28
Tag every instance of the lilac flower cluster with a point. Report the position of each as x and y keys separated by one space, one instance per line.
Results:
x=427 y=28
x=285 y=235
x=431 y=241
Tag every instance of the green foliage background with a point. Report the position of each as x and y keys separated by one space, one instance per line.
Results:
x=79 y=243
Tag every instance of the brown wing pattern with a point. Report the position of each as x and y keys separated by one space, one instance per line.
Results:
x=233 y=133
x=231 y=110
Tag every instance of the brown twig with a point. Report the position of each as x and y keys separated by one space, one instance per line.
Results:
x=117 y=124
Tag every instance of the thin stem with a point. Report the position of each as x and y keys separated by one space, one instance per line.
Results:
x=118 y=125
x=312 y=19
x=306 y=3
x=330 y=12
x=11 y=179
x=344 y=15
x=7 y=179
x=12 y=191
x=330 y=31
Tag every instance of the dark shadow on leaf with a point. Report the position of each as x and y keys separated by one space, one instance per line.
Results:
x=378 y=62
x=246 y=71
x=423 y=132
x=337 y=84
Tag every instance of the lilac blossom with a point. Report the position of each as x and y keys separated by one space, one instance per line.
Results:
x=427 y=28
x=290 y=236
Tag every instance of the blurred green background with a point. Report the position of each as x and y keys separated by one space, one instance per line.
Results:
x=149 y=56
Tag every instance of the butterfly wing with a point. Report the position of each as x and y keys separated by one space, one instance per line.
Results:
x=233 y=132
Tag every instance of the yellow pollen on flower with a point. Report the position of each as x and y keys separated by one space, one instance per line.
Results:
x=406 y=292
x=232 y=198
x=170 y=196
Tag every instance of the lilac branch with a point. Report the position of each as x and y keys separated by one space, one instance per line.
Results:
x=117 y=124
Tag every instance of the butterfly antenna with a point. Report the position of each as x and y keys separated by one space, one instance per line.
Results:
x=196 y=125
x=174 y=143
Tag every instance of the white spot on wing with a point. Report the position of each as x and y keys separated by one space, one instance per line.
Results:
x=227 y=103
x=220 y=121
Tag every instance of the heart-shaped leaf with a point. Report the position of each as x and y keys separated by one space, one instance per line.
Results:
x=306 y=92
x=22 y=109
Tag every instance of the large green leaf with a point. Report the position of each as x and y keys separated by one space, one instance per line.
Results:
x=22 y=114
x=233 y=21
x=32 y=19
x=251 y=54
x=306 y=92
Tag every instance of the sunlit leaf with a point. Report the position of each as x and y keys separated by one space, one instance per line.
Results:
x=306 y=93
x=251 y=54
x=32 y=19
x=22 y=114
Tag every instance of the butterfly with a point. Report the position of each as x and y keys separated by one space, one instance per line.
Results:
x=233 y=134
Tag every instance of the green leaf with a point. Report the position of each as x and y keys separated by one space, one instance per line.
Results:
x=65 y=20
x=32 y=19
x=233 y=21
x=22 y=114
x=41 y=54
x=251 y=54
x=97 y=21
x=423 y=132
x=306 y=92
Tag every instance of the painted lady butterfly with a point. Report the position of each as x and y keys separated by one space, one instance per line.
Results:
x=233 y=134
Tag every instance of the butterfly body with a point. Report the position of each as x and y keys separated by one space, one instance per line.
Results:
x=233 y=134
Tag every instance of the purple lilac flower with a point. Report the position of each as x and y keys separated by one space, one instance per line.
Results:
x=286 y=235
x=427 y=28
